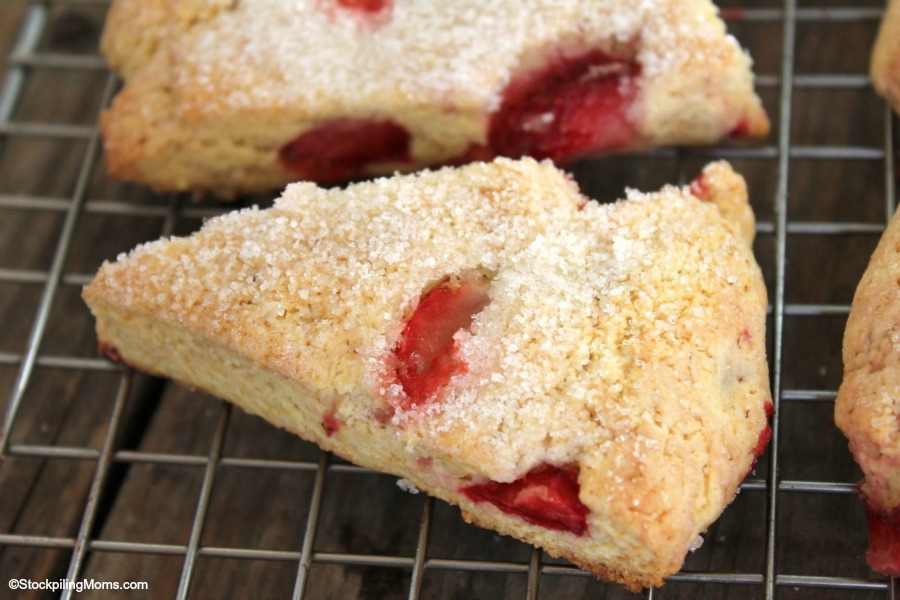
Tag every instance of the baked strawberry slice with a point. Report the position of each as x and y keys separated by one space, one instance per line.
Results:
x=368 y=6
x=427 y=352
x=571 y=107
x=330 y=423
x=340 y=150
x=546 y=496
x=765 y=436
x=884 y=539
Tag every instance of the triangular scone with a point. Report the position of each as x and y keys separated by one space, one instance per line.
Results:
x=249 y=96
x=588 y=378
x=867 y=408
x=884 y=68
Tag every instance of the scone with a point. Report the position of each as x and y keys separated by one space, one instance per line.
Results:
x=885 y=63
x=588 y=378
x=867 y=408
x=236 y=97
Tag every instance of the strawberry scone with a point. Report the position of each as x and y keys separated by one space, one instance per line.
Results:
x=867 y=408
x=587 y=378
x=240 y=97
x=884 y=68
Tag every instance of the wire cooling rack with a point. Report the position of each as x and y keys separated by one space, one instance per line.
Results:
x=113 y=477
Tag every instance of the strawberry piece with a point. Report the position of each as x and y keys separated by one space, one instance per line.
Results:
x=741 y=130
x=368 y=13
x=701 y=189
x=330 y=424
x=110 y=352
x=427 y=351
x=765 y=436
x=884 y=539
x=338 y=151
x=570 y=108
x=546 y=496
x=369 y=6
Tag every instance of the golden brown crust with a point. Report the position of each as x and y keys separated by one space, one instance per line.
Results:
x=132 y=34
x=625 y=340
x=885 y=62
x=867 y=408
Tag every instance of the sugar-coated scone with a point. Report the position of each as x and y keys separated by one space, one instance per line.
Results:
x=235 y=97
x=588 y=378
x=867 y=408
x=885 y=63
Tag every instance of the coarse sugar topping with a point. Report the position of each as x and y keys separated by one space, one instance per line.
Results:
x=606 y=325
x=291 y=53
x=575 y=317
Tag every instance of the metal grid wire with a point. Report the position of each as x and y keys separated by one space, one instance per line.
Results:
x=108 y=496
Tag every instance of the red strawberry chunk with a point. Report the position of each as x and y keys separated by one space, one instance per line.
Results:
x=765 y=436
x=884 y=540
x=546 y=496
x=368 y=13
x=701 y=189
x=427 y=351
x=741 y=130
x=570 y=108
x=110 y=352
x=330 y=424
x=340 y=150
x=369 y=6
